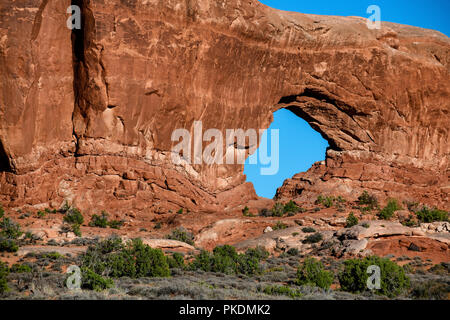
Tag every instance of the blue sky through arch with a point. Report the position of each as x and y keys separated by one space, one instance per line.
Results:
x=300 y=146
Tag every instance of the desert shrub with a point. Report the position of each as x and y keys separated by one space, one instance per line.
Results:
x=52 y=255
x=21 y=268
x=325 y=201
x=282 y=291
x=412 y=206
x=180 y=211
x=8 y=245
x=311 y=272
x=225 y=259
x=353 y=277
x=290 y=207
x=265 y=212
x=2 y=211
x=293 y=252
x=368 y=200
x=278 y=210
x=4 y=271
x=430 y=215
x=115 y=224
x=366 y=225
x=10 y=229
x=430 y=290
x=41 y=214
x=259 y=252
x=76 y=230
x=75 y=219
x=388 y=211
x=410 y=222
x=157 y=226
x=245 y=211
x=113 y=258
x=248 y=264
x=351 y=221
x=442 y=268
x=314 y=238
x=308 y=230
x=279 y=226
x=176 y=261
x=182 y=235
x=93 y=281
x=99 y=221
x=74 y=216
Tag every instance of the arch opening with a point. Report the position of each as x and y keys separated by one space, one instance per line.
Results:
x=299 y=147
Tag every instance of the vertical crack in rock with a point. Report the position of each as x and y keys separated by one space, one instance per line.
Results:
x=90 y=87
x=38 y=20
x=5 y=164
x=78 y=70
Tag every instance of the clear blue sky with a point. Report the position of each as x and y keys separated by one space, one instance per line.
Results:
x=300 y=145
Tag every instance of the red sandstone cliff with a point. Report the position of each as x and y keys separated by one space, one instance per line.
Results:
x=87 y=116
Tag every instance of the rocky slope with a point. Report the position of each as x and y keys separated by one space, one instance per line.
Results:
x=87 y=116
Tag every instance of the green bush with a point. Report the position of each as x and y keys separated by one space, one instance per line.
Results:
x=369 y=200
x=176 y=261
x=113 y=258
x=308 y=230
x=75 y=219
x=99 y=221
x=76 y=229
x=157 y=226
x=53 y=255
x=278 y=210
x=4 y=271
x=291 y=207
x=93 y=281
x=353 y=277
x=325 y=201
x=282 y=291
x=430 y=290
x=2 y=211
x=225 y=259
x=314 y=238
x=21 y=268
x=74 y=216
x=265 y=213
x=41 y=214
x=312 y=273
x=430 y=215
x=259 y=253
x=182 y=235
x=8 y=245
x=246 y=211
x=293 y=252
x=351 y=221
x=279 y=226
x=115 y=224
x=410 y=222
x=388 y=211
x=10 y=229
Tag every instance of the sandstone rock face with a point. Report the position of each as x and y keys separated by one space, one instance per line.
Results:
x=87 y=116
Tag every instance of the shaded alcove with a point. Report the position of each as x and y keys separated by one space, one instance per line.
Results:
x=5 y=165
x=300 y=146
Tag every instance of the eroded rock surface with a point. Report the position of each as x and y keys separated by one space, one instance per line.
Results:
x=87 y=117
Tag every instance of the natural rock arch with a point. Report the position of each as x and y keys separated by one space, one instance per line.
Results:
x=380 y=97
